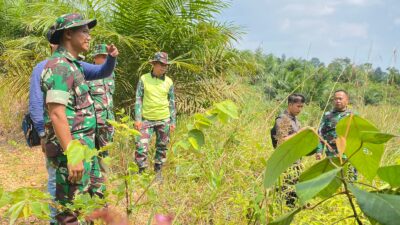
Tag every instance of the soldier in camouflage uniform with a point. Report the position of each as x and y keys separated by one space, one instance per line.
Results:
x=102 y=91
x=287 y=125
x=154 y=112
x=327 y=129
x=69 y=113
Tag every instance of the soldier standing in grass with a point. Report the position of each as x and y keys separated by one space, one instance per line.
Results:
x=287 y=125
x=102 y=91
x=327 y=129
x=154 y=112
x=69 y=113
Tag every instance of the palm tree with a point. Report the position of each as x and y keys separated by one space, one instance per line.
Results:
x=186 y=29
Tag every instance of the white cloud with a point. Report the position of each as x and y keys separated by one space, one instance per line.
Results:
x=353 y=30
x=359 y=2
x=397 y=21
x=310 y=8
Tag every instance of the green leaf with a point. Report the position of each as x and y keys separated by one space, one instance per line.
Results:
x=5 y=198
x=36 y=209
x=376 y=137
x=15 y=211
x=229 y=108
x=202 y=122
x=309 y=189
x=75 y=152
x=134 y=132
x=287 y=153
x=196 y=138
x=365 y=156
x=320 y=168
x=390 y=174
x=285 y=219
x=383 y=208
x=90 y=153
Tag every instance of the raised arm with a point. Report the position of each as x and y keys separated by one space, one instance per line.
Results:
x=95 y=72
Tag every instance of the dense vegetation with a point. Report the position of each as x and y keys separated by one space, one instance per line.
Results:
x=221 y=180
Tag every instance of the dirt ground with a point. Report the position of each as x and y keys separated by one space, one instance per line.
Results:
x=21 y=166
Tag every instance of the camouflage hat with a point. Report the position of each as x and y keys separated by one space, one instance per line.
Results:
x=100 y=49
x=160 y=57
x=68 y=21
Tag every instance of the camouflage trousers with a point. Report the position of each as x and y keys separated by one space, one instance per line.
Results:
x=91 y=182
x=291 y=178
x=104 y=135
x=104 y=130
x=162 y=130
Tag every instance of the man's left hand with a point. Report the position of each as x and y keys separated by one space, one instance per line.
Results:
x=112 y=50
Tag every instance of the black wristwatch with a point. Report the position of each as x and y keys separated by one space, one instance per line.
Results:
x=42 y=135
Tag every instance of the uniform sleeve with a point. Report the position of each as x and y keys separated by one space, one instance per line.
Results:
x=321 y=144
x=95 y=72
x=139 y=101
x=59 y=80
x=172 y=108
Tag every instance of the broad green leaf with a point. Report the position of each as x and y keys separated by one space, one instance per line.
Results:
x=5 y=198
x=322 y=167
x=285 y=219
x=383 y=208
x=309 y=189
x=365 y=156
x=202 y=122
x=229 y=108
x=196 y=138
x=90 y=153
x=287 y=153
x=372 y=221
x=376 y=137
x=15 y=211
x=75 y=152
x=390 y=174
x=36 y=208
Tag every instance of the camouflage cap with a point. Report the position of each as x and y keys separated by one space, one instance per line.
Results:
x=68 y=21
x=100 y=49
x=160 y=57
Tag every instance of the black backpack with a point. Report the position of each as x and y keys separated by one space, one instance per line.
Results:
x=31 y=135
x=273 y=135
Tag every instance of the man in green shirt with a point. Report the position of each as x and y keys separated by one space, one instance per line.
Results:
x=69 y=113
x=102 y=91
x=154 y=112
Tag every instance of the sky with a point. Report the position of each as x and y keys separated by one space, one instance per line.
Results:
x=362 y=30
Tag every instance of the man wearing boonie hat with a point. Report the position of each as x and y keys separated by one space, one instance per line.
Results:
x=102 y=91
x=36 y=103
x=69 y=113
x=154 y=112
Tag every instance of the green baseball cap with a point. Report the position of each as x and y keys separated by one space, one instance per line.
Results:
x=100 y=49
x=68 y=21
x=161 y=57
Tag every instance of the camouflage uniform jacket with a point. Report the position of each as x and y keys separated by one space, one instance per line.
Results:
x=102 y=91
x=285 y=125
x=63 y=83
x=327 y=130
